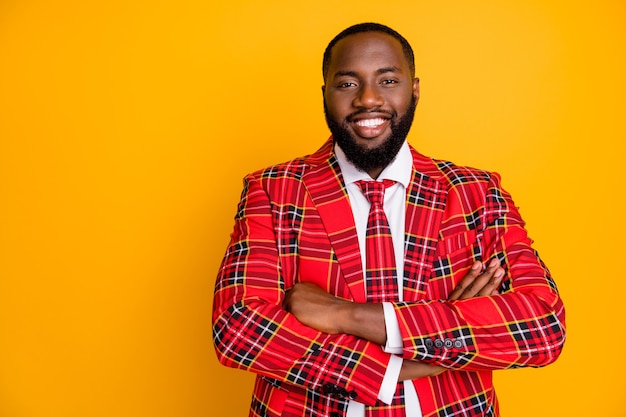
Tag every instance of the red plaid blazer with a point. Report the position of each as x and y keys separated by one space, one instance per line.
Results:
x=294 y=223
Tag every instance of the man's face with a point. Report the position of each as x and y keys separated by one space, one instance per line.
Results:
x=369 y=99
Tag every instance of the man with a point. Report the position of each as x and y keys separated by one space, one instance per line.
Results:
x=307 y=299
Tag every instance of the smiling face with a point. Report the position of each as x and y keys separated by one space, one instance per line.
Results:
x=369 y=98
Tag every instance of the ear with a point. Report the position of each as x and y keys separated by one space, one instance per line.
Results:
x=416 y=88
x=323 y=89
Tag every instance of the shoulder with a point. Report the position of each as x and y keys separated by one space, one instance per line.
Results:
x=455 y=175
x=450 y=174
x=295 y=168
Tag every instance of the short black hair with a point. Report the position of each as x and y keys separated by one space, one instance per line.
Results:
x=369 y=27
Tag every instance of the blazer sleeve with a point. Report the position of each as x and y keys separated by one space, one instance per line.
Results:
x=252 y=331
x=522 y=326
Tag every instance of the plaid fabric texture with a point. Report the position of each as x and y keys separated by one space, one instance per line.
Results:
x=294 y=223
x=380 y=262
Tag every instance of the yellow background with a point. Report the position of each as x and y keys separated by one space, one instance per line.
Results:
x=125 y=130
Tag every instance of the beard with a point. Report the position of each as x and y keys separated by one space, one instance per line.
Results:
x=365 y=159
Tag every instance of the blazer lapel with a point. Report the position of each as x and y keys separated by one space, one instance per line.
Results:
x=426 y=201
x=327 y=190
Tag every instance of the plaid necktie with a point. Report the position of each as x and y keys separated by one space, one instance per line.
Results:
x=380 y=261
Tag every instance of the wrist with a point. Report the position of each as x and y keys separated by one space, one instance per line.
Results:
x=364 y=320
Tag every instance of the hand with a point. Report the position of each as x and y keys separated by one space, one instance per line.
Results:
x=417 y=369
x=475 y=284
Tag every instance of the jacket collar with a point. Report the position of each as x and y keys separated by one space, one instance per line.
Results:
x=426 y=200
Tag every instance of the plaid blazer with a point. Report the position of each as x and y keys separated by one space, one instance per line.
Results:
x=294 y=223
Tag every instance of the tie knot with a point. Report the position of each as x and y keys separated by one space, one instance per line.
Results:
x=374 y=191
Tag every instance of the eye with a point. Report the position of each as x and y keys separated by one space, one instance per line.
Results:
x=389 y=82
x=346 y=84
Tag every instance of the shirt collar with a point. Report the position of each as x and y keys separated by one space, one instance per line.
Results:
x=399 y=170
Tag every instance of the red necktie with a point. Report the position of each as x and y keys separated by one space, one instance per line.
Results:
x=380 y=261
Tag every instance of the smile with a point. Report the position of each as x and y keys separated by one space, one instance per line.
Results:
x=371 y=123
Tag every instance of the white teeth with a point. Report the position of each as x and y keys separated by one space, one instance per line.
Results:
x=370 y=122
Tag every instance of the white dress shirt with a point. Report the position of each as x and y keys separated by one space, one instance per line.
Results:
x=400 y=171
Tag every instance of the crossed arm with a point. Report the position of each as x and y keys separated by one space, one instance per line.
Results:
x=308 y=338
x=322 y=311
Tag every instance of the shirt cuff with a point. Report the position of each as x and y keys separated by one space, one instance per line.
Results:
x=394 y=337
x=355 y=409
x=390 y=380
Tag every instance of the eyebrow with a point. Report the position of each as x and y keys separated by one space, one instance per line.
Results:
x=382 y=70
x=388 y=69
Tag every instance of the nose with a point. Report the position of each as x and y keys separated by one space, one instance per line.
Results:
x=368 y=97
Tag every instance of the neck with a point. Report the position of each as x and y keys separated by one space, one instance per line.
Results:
x=375 y=172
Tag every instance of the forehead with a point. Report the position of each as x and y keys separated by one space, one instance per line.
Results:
x=365 y=50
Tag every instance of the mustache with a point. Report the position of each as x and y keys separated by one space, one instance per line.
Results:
x=391 y=114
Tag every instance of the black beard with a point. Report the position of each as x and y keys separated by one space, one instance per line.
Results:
x=367 y=160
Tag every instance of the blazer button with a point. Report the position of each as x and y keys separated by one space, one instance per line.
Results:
x=429 y=343
x=438 y=343
x=335 y=414
x=343 y=393
x=448 y=344
x=353 y=395
x=328 y=388
x=458 y=344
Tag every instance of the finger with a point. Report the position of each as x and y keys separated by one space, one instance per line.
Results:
x=439 y=370
x=492 y=285
x=466 y=281
x=483 y=284
x=287 y=300
x=432 y=370
x=421 y=370
x=477 y=284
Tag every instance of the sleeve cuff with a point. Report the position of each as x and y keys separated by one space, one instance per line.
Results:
x=390 y=381
x=394 y=337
